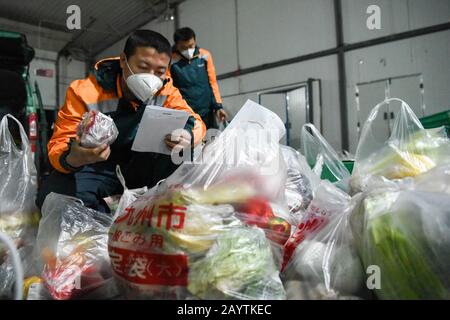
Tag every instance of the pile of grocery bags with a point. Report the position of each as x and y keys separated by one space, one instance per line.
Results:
x=251 y=219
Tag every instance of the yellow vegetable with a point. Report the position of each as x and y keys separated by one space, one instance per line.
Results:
x=28 y=282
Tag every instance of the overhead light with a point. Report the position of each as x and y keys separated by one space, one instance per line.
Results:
x=168 y=12
x=169 y=16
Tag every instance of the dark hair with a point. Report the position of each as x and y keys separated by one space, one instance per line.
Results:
x=147 y=38
x=183 y=34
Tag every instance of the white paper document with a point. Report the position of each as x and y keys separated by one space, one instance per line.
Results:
x=156 y=123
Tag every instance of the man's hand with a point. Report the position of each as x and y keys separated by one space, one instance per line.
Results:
x=178 y=140
x=80 y=156
x=221 y=115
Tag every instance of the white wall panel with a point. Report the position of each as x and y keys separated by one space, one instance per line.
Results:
x=214 y=24
x=272 y=30
x=396 y=16
x=166 y=28
x=427 y=55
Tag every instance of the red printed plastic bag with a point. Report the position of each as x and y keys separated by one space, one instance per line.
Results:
x=328 y=202
x=325 y=264
x=221 y=217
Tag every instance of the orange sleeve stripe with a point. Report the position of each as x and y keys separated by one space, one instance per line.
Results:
x=212 y=75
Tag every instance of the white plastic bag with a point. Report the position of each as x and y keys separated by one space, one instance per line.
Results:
x=71 y=249
x=18 y=214
x=329 y=202
x=403 y=229
x=195 y=234
x=300 y=184
x=326 y=262
x=96 y=129
x=128 y=196
x=409 y=151
x=320 y=155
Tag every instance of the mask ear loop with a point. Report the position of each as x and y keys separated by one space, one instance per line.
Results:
x=126 y=61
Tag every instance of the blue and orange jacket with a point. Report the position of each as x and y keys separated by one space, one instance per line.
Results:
x=102 y=91
x=196 y=80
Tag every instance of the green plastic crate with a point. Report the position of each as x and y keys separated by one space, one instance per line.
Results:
x=327 y=175
x=441 y=119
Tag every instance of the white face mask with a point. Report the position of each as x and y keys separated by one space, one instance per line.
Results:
x=143 y=85
x=188 y=53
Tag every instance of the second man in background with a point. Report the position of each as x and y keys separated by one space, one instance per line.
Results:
x=193 y=73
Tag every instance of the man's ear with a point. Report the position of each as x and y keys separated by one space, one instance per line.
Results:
x=122 y=60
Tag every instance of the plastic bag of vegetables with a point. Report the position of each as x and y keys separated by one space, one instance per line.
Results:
x=96 y=129
x=322 y=261
x=239 y=265
x=19 y=217
x=163 y=244
x=409 y=151
x=328 y=202
x=403 y=228
x=71 y=249
x=327 y=263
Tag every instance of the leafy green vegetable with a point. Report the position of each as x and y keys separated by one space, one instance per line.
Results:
x=239 y=265
x=394 y=239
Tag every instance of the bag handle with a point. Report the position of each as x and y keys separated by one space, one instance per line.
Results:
x=4 y=132
x=404 y=126
x=407 y=114
x=316 y=148
x=120 y=177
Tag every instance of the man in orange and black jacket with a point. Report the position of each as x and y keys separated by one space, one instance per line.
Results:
x=121 y=88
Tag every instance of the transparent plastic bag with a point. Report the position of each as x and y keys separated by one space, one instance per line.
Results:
x=321 y=156
x=328 y=202
x=210 y=218
x=326 y=264
x=403 y=230
x=71 y=249
x=409 y=151
x=18 y=214
x=223 y=125
x=96 y=129
x=300 y=184
x=128 y=196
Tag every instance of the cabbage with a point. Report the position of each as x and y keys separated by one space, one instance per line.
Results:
x=239 y=265
x=405 y=234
